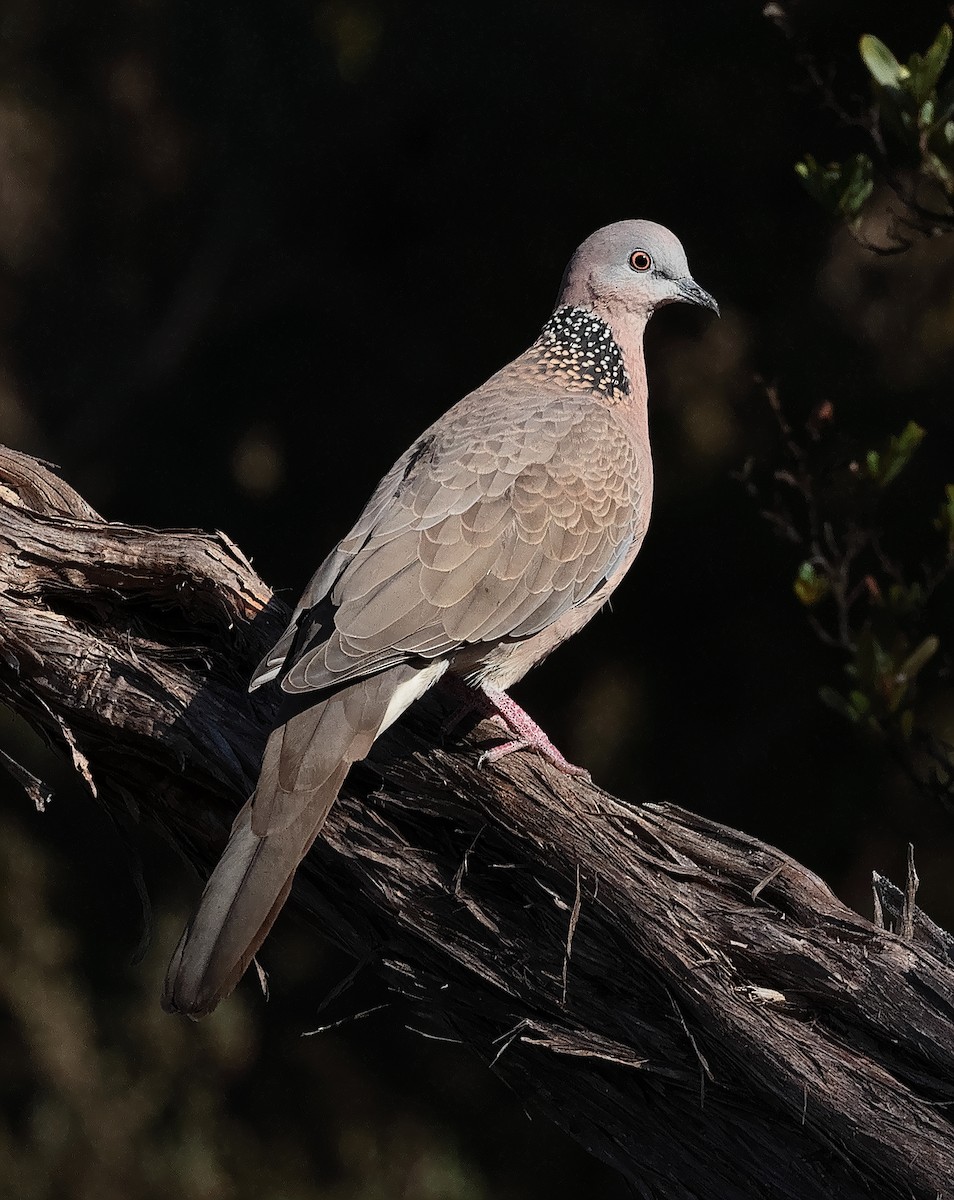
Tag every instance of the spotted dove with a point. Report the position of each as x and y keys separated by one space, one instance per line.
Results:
x=496 y=536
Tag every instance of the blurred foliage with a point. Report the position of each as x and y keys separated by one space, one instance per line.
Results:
x=117 y=1101
x=871 y=590
x=911 y=126
x=880 y=595
x=842 y=187
x=246 y=254
x=884 y=466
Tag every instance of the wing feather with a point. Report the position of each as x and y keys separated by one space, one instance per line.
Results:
x=490 y=532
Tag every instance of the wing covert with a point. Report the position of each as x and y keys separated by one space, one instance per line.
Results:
x=473 y=537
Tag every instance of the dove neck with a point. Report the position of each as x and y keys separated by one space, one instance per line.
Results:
x=580 y=350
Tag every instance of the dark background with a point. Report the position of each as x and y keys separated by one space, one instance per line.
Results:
x=248 y=252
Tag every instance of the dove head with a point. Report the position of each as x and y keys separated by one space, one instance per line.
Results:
x=629 y=270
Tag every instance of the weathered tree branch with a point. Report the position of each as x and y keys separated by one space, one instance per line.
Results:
x=693 y=1006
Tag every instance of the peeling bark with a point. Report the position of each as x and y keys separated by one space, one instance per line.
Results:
x=692 y=1005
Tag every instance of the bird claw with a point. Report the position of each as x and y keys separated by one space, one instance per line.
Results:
x=495 y=753
x=548 y=751
x=522 y=732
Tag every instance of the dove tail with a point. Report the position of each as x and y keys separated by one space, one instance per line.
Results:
x=305 y=763
x=239 y=905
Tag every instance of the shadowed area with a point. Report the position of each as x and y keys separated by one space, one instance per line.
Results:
x=247 y=256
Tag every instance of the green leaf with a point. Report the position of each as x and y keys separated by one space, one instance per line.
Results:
x=919 y=657
x=885 y=467
x=883 y=660
x=901 y=450
x=842 y=188
x=924 y=70
x=837 y=702
x=911 y=437
x=809 y=586
x=857 y=184
x=936 y=56
x=884 y=68
x=860 y=703
x=822 y=183
x=939 y=168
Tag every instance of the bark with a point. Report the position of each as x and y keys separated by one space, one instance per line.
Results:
x=694 y=1006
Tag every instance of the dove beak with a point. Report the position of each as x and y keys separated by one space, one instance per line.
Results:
x=687 y=289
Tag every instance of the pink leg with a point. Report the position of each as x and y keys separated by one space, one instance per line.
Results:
x=492 y=702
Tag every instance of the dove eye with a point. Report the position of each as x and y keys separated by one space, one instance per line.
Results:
x=639 y=260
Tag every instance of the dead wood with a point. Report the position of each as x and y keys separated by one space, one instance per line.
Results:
x=695 y=1007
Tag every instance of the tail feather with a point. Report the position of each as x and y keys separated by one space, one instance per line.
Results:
x=241 y=902
x=305 y=763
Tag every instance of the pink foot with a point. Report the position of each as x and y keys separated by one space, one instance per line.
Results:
x=496 y=704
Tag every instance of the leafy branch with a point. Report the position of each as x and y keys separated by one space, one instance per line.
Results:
x=909 y=129
x=864 y=594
